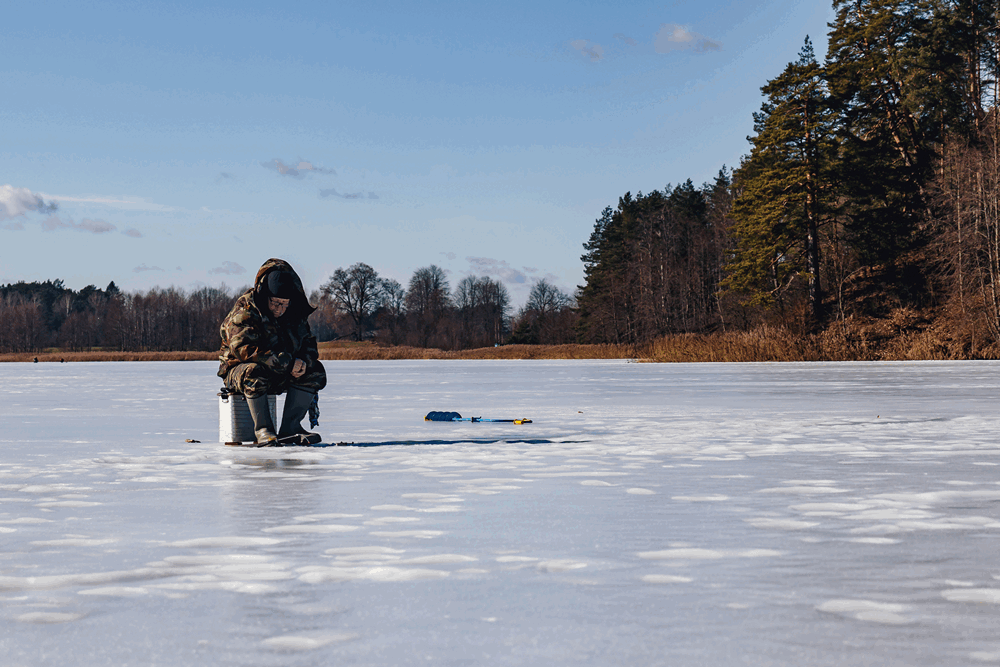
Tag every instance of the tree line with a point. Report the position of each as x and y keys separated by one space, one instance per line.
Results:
x=872 y=185
x=37 y=315
x=355 y=303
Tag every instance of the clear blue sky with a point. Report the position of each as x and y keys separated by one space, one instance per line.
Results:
x=185 y=143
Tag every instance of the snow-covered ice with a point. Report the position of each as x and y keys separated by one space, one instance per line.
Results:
x=702 y=514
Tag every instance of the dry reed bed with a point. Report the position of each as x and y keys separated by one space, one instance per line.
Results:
x=850 y=342
x=878 y=341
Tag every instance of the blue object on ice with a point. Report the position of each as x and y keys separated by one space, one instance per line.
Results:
x=455 y=417
x=442 y=417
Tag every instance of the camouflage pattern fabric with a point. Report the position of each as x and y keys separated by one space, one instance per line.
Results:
x=252 y=336
x=253 y=380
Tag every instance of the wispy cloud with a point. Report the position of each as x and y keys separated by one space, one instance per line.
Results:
x=496 y=267
x=53 y=223
x=332 y=192
x=143 y=268
x=15 y=202
x=674 y=37
x=590 y=50
x=114 y=201
x=296 y=170
x=227 y=269
x=449 y=255
x=133 y=232
x=625 y=38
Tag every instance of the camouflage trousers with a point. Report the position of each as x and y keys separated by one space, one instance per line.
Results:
x=253 y=380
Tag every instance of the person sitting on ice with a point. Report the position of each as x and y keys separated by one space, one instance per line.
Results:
x=268 y=348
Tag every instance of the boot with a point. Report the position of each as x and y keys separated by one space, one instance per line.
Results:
x=297 y=402
x=263 y=426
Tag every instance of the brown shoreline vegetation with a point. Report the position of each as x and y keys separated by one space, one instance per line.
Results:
x=901 y=338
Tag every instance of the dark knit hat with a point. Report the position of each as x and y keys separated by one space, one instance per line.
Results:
x=281 y=284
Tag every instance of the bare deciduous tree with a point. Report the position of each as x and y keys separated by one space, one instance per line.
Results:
x=357 y=292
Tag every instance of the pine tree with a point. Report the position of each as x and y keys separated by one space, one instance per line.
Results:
x=895 y=71
x=784 y=188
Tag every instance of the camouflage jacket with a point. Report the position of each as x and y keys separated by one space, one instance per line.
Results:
x=250 y=334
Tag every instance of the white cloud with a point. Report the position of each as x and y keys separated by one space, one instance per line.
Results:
x=16 y=202
x=332 y=192
x=229 y=269
x=626 y=39
x=297 y=170
x=591 y=50
x=674 y=37
x=53 y=223
x=497 y=267
x=142 y=267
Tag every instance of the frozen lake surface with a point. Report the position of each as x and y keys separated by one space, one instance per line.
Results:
x=710 y=514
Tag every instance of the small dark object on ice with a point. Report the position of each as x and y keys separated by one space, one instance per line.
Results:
x=190 y=440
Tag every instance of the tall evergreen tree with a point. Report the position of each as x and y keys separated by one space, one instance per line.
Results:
x=603 y=302
x=894 y=71
x=784 y=188
x=652 y=267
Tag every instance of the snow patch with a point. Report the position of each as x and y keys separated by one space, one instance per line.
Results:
x=310 y=528
x=560 y=565
x=74 y=542
x=48 y=617
x=115 y=591
x=317 y=574
x=980 y=595
x=886 y=613
x=985 y=656
x=310 y=518
x=780 y=524
x=420 y=534
x=666 y=579
x=225 y=542
x=364 y=550
x=306 y=643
